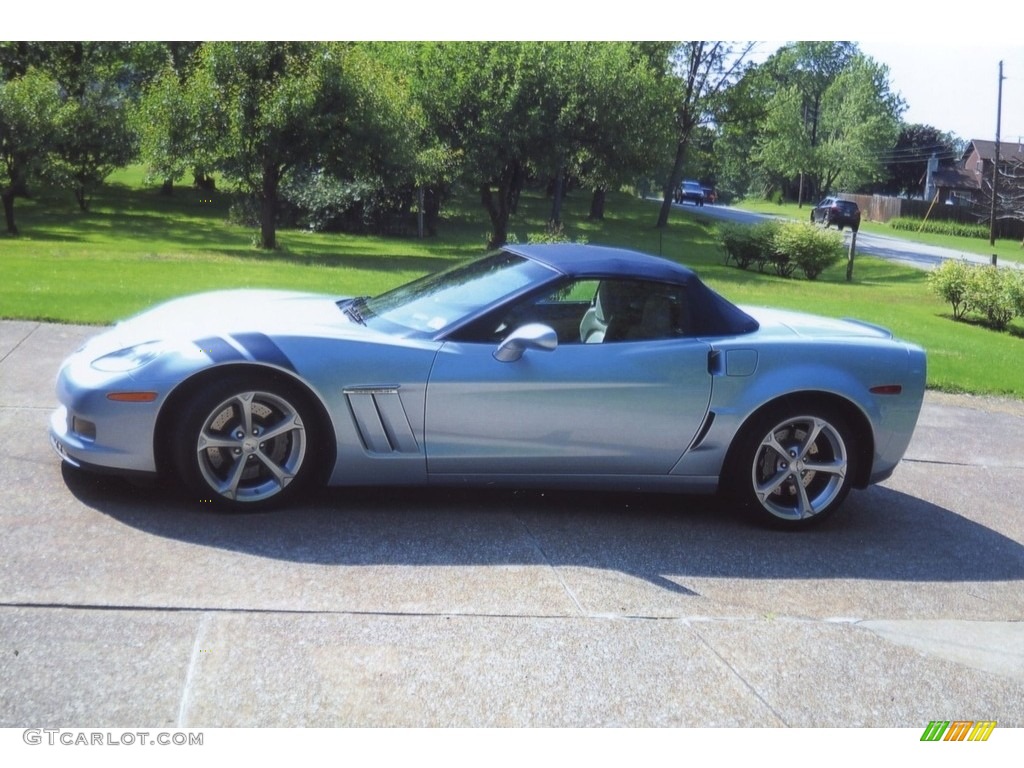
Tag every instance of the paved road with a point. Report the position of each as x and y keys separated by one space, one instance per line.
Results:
x=883 y=246
x=122 y=607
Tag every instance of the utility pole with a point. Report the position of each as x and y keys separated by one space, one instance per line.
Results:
x=995 y=164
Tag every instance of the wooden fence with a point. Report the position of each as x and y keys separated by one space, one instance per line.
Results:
x=882 y=208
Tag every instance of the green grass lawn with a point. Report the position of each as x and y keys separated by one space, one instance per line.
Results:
x=136 y=247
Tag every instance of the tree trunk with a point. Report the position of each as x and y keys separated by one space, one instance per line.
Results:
x=557 y=195
x=167 y=188
x=516 y=181
x=202 y=180
x=8 y=198
x=500 y=206
x=674 y=179
x=597 y=204
x=432 y=209
x=82 y=198
x=268 y=207
x=498 y=211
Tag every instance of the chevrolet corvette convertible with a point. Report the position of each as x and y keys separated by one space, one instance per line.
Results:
x=564 y=366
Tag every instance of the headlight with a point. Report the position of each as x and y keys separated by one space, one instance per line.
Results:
x=130 y=358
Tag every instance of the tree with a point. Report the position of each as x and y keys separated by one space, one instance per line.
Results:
x=97 y=81
x=172 y=127
x=1009 y=203
x=704 y=70
x=270 y=109
x=92 y=138
x=28 y=108
x=489 y=105
x=615 y=117
x=496 y=115
x=831 y=120
x=174 y=138
x=906 y=164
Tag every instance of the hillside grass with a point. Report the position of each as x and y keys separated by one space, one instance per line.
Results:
x=135 y=248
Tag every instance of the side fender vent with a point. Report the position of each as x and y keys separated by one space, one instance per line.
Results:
x=381 y=420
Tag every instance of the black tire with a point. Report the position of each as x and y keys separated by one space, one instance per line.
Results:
x=793 y=467
x=222 y=452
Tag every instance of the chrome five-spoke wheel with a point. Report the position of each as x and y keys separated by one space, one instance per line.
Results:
x=245 y=444
x=796 y=468
x=251 y=446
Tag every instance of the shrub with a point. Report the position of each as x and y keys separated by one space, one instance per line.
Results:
x=949 y=282
x=1015 y=278
x=803 y=246
x=764 y=236
x=747 y=244
x=990 y=293
x=781 y=263
x=740 y=245
x=553 y=233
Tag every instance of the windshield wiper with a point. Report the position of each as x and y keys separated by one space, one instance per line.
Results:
x=354 y=309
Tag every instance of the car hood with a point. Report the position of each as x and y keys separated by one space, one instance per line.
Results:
x=220 y=313
x=780 y=322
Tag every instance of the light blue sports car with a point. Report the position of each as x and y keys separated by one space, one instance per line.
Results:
x=534 y=366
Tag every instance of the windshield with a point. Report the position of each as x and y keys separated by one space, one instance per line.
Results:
x=439 y=301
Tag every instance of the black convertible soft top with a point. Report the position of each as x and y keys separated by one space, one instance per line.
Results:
x=713 y=315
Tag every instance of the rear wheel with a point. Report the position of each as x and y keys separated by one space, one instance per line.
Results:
x=795 y=467
x=246 y=443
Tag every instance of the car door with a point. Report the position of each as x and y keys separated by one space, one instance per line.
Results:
x=630 y=405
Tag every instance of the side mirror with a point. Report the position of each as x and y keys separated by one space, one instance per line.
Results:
x=531 y=336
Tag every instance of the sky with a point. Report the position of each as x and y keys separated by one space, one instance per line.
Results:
x=945 y=63
x=954 y=87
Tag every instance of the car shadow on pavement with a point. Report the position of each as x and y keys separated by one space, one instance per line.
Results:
x=880 y=534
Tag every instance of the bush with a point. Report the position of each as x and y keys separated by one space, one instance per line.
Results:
x=995 y=294
x=1016 y=286
x=738 y=242
x=949 y=282
x=747 y=244
x=803 y=246
x=781 y=263
x=553 y=233
x=990 y=292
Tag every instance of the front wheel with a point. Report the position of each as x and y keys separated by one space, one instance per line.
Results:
x=246 y=444
x=794 y=468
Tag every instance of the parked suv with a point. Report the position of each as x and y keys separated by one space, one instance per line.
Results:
x=692 y=191
x=842 y=213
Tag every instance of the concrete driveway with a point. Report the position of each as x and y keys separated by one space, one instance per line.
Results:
x=120 y=606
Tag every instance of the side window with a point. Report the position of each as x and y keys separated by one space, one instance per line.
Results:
x=592 y=311
x=636 y=310
x=562 y=309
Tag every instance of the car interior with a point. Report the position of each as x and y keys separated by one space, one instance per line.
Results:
x=595 y=312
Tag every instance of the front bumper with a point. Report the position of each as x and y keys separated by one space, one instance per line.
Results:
x=89 y=430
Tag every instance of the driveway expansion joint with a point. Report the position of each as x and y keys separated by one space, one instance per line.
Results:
x=21 y=341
